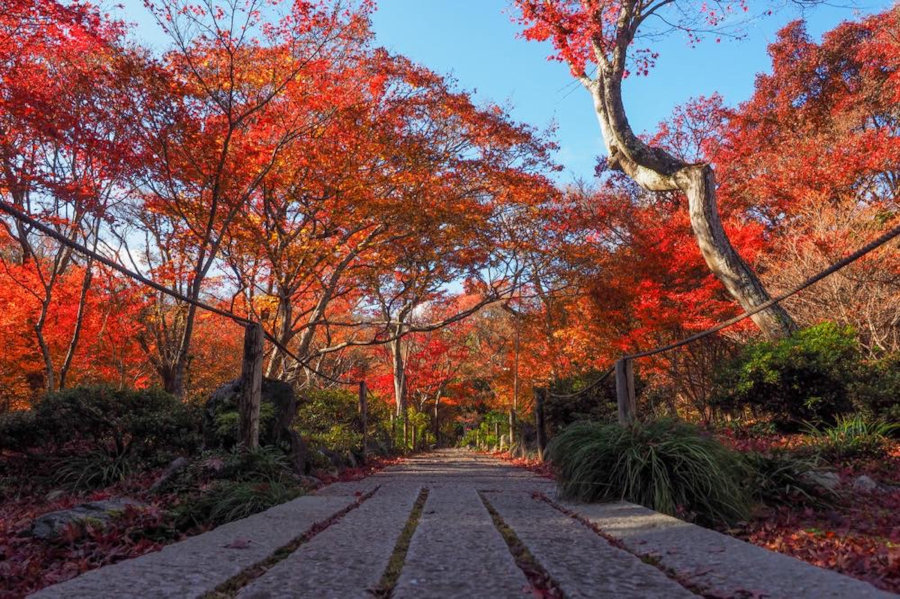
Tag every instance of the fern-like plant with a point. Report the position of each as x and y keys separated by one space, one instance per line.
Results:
x=93 y=470
x=227 y=501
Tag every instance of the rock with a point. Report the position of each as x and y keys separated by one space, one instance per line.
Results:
x=827 y=480
x=275 y=430
x=50 y=525
x=177 y=465
x=336 y=459
x=864 y=483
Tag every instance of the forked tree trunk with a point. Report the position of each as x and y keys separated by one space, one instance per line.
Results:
x=654 y=169
x=398 y=364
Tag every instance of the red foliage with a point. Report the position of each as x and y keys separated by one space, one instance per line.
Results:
x=372 y=466
x=28 y=564
x=859 y=537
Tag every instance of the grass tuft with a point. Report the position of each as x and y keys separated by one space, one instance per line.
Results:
x=667 y=465
x=398 y=556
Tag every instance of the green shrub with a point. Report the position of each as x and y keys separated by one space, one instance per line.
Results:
x=226 y=501
x=20 y=430
x=877 y=392
x=265 y=464
x=221 y=419
x=667 y=465
x=226 y=425
x=93 y=470
x=805 y=378
x=330 y=419
x=148 y=425
x=568 y=402
x=782 y=479
x=852 y=437
x=485 y=432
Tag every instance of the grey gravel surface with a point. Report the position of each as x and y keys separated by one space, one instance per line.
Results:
x=716 y=563
x=581 y=562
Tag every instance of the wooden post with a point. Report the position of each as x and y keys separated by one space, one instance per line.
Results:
x=251 y=386
x=625 y=391
x=364 y=419
x=393 y=431
x=539 y=421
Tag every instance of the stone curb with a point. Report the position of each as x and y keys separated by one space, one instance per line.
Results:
x=718 y=565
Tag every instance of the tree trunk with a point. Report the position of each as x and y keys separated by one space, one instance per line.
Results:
x=79 y=321
x=699 y=185
x=654 y=169
x=437 y=423
x=175 y=382
x=399 y=372
x=540 y=422
x=515 y=399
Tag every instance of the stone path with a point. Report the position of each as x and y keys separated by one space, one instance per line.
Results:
x=477 y=513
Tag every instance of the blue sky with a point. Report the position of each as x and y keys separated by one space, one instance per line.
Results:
x=475 y=42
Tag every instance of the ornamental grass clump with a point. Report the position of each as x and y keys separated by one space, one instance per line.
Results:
x=851 y=437
x=667 y=465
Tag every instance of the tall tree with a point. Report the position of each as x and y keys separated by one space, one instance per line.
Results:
x=63 y=153
x=599 y=34
x=217 y=130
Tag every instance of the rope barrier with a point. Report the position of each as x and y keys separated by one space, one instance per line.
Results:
x=847 y=260
x=75 y=246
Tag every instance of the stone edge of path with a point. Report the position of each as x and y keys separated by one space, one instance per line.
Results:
x=561 y=545
x=200 y=564
x=714 y=563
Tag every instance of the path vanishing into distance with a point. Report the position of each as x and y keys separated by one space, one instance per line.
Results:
x=458 y=524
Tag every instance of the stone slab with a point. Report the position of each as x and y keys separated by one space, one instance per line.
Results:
x=457 y=552
x=347 y=559
x=716 y=563
x=582 y=563
x=199 y=564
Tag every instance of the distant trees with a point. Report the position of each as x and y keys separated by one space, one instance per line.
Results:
x=380 y=224
x=279 y=167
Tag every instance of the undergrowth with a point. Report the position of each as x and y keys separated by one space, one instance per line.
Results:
x=667 y=465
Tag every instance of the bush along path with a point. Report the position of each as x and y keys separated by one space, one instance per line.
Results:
x=451 y=524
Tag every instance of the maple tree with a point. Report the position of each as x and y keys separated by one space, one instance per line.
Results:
x=217 y=126
x=601 y=35
x=64 y=157
x=383 y=226
x=830 y=101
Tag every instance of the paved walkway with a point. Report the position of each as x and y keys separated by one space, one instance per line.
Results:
x=468 y=526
